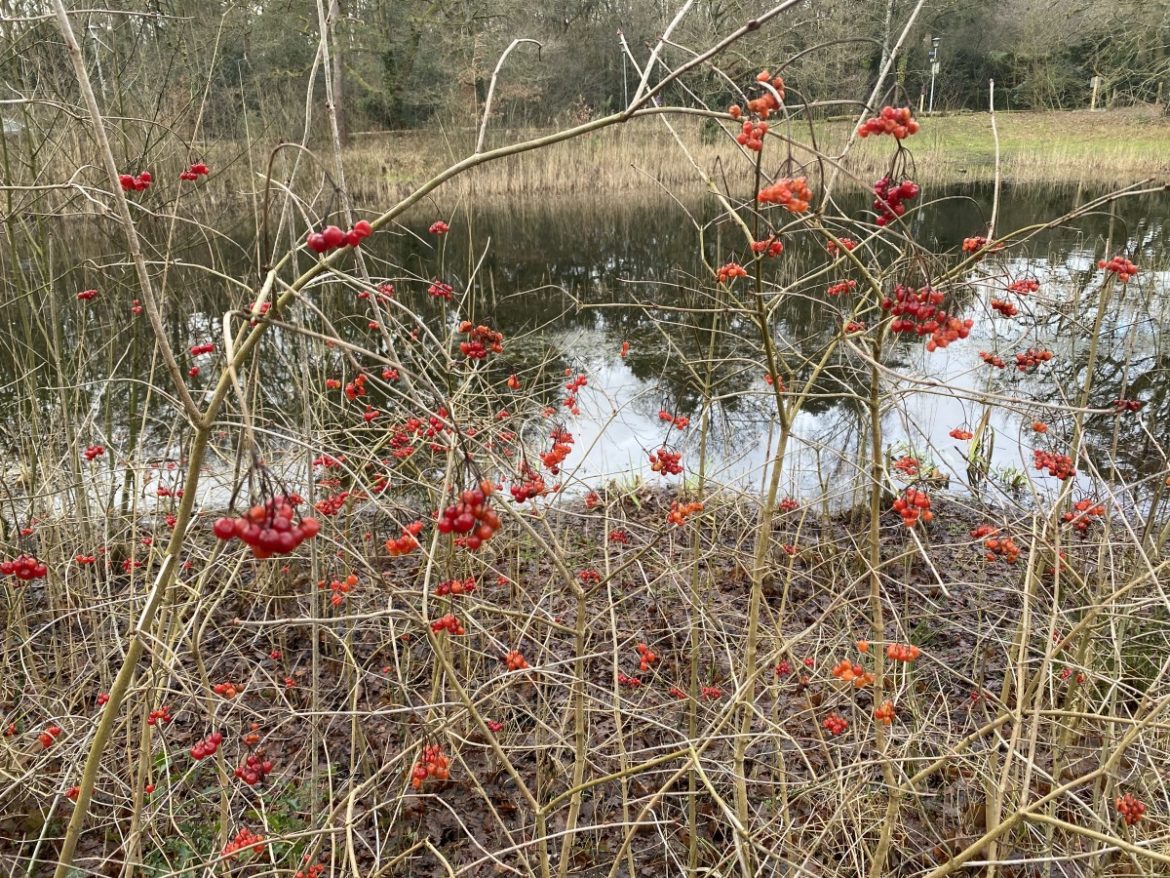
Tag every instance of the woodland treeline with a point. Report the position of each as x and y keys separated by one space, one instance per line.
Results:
x=413 y=63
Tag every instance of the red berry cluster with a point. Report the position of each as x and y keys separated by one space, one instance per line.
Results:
x=1004 y=307
x=730 y=272
x=227 y=690
x=895 y=121
x=751 y=134
x=205 y=348
x=455 y=587
x=918 y=311
x=846 y=243
x=884 y=713
x=770 y=246
x=480 y=340
x=680 y=422
x=1059 y=466
x=48 y=736
x=339 y=588
x=902 y=652
x=25 y=568
x=913 y=505
x=135 y=184
x=562 y=444
x=680 y=512
x=1027 y=361
x=1131 y=809
x=792 y=194
x=646 y=657
x=269 y=528
x=996 y=547
x=574 y=387
x=888 y=200
x=531 y=486
x=471 y=517
x=440 y=290
x=92 y=452
x=406 y=543
x=587 y=577
x=194 y=172
x=316 y=870
x=788 y=504
x=357 y=387
x=992 y=359
x=255 y=769
x=961 y=434
x=207 y=747
x=1024 y=286
x=87 y=295
x=847 y=672
x=1127 y=405
x=974 y=244
x=766 y=103
x=853 y=326
x=710 y=693
x=515 y=660
x=243 y=840
x=835 y=724
x=159 y=716
x=666 y=462
x=628 y=681
x=438 y=227
x=1083 y=514
x=907 y=465
x=618 y=536
x=431 y=765
x=839 y=289
x=448 y=623
x=332 y=237
x=1120 y=266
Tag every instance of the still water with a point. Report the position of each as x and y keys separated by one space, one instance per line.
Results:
x=569 y=283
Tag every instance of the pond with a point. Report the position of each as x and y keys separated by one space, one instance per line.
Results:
x=568 y=283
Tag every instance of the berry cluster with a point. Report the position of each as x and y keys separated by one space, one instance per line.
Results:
x=531 y=486
x=902 y=652
x=961 y=434
x=339 y=588
x=1039 y=427
x=846 y=243
x=1083 y=514
x=619 y=536
x=243 y=840
x=432 y=764
x=628 y=681
x=92 y=452
x=449 y=623
x=918 y=311
x=646 y=657
x=792 y=194
x=515 y=661
x=87 y=295
x=730 y=272
x=480 y=340
x=834 y=724
x=562 y=441
x=255 y=769
x=788 y=504
x=770 y=246
x=996 y=546
x=1120 y=266
x=205 y=348
x=710 y=693
x=1130 y=808
x=751 y=134
x=316 y=870
x=992 y=359
x=1029 y=360
x=159 y=716
x=440 y=290
x=25 y=568
x=48 y=736
x=974 y=244
x=1004 y=308
x=666 y=462
x=680 y=512
x=1024 y=286
x=907 y=465
x=574 y=387
x=471 y=517
x=839 y=289
x=455 y=587
x=333 y=238
x=913 y=505
x=895 y=121
x=853 y=326
x=227 y=690
x=680 y=422
x=269 y=528
x=438 y=227
x=207 y=747
x=766 y=103
x=884 y=713
x=888 y=198
x=406 y=543
x=194 y=172
x=1127 y=405
x=1059 y=466
x=131 y=183
x=847 y=672
x=589 y=576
